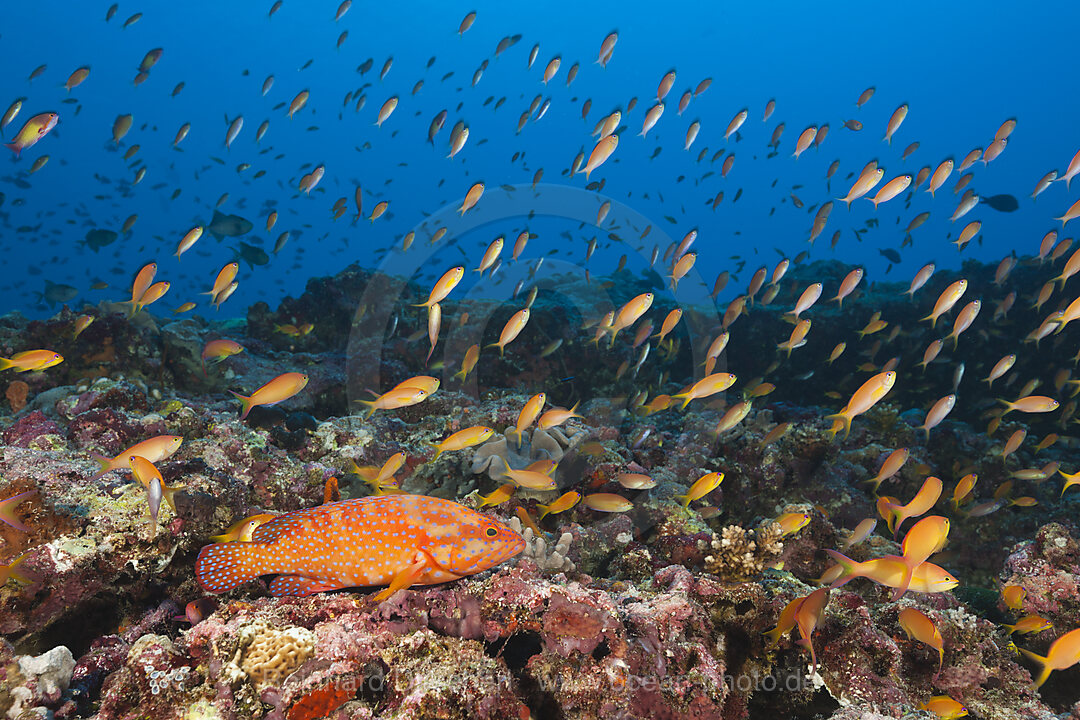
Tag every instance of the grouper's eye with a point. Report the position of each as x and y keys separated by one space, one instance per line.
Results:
x=491 y=532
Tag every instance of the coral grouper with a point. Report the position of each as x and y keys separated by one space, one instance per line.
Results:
x=395 y=540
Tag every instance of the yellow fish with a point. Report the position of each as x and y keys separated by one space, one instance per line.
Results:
x=791 y=523
x=468 y=362
x=530 y=479
x=701 y=487
x=889 y=570
x=241 y=531
x=557 y=416
x=949 y=297
x=607 y=502
x=707 y=386
x=944 y=707
x=1029 y=624
x=498 y=496
x=33 y=130
x=396 y=398
x=463 y=439
x=32 y=360
x=1063 y=653
x=920 y=627
x=279 y=389
x=472 y=197
x=868 y=395
x=512 y=329
x=562 y=504
x=444 y=286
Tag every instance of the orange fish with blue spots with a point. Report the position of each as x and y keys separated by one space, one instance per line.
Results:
x=394 y=540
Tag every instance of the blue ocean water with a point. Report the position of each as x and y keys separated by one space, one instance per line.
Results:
x=962 y=68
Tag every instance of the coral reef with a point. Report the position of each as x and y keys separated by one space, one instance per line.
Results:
x=658 y=610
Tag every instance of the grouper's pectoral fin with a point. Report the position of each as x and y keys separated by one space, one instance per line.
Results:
x=299 y=586
x=407 y=576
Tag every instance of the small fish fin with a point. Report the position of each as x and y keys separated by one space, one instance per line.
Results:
x=16 y=149
x=104 y=462
x=26 y=578
x=774 y=636
x=11 y=571
x=845 y=423
x=169 y=492
x=5 y=364
x=224 y=566
x=299 y=586
x=1044 y=671
x=7 y=510
x=406 y=577
x=370 y=405
x=808 y=644
x=246 y=403
x=905 y=582
x=844 y=562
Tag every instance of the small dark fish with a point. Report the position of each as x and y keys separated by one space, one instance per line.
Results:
x=252 y=255
x=98 y=238
x=57 y=293
x=891 y=255
x=222 y=226
x=1001 y=203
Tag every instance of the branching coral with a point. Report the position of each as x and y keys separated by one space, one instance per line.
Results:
x=536 y=549
x=740 y=554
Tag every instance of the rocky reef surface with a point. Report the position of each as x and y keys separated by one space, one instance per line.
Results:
x=656 y=612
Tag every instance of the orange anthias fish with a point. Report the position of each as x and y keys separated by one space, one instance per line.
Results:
x=279 y=389
x=944 y=707
x=889 y=571
x=864 y=398
x=32 y=360
x=395 y=540
x=920 y=627
x=1063 y=653
x=924 y=539
x=35 y=128
x=155 y=450
x=243 y=529
x=218 y=350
